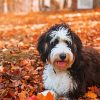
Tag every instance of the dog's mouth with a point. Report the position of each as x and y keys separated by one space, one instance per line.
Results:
x=61 y=63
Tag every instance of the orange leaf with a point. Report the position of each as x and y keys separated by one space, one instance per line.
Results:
x=91 y=95
x=33 y=97
x=40 y=96
x=49 y=96
x=22 y=95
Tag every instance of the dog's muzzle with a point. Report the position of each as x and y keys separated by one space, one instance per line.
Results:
x=61 y=56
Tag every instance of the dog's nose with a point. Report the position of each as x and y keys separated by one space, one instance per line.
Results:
x=62 y=56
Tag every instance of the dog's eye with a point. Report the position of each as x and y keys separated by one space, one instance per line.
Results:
x=56 y=41
x=67 y=42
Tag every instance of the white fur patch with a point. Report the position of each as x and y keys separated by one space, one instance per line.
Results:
x=60 y=82
x=58 y=49
x=62 y=34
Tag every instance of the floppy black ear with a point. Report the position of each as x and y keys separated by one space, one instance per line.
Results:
x=41 y=47
x=77 y=46
x=76 y=42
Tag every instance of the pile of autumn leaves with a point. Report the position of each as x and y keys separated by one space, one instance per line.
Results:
x=20 y=65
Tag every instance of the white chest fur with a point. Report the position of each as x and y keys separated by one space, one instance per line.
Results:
x=60 y=82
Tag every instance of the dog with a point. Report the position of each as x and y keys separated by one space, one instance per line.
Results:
x=69 y=67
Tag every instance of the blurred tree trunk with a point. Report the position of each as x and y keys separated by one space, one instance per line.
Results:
x=18 y=5
x=55 y=4
x=10 y=5
x=69 y=3
x=96 y=3
x=1 y=5
x=32 y=5
x=44 y=5
x=39 y=5
x=74 y=4
x=35 y=5
x=26 y=5
x=23 y=5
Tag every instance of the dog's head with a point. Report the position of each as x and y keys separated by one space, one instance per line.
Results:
x=59 y=46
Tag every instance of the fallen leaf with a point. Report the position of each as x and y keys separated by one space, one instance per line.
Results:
x=49 y=96
x=91 y=95
x=33 y=97
x=22 y=95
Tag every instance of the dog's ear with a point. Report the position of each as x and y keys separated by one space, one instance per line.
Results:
x=42 y=46
x=76 y=42
x=77 y=47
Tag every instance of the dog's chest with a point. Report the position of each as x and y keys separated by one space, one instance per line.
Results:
x=60 y=82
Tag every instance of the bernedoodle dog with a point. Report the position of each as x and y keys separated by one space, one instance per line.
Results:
x=69 y=67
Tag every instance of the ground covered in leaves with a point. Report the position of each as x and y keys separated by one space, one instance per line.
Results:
x=20 y=64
